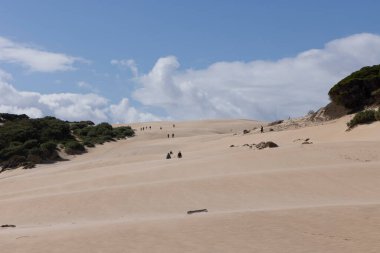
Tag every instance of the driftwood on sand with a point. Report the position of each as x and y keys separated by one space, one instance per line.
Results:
x=8 y=226
x=197 y=211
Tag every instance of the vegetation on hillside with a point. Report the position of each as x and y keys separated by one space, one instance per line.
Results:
x=363 y=117
x=360 y=89
x=26 y=142
x=92 y=135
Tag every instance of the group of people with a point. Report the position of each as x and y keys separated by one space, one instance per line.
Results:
x=169 y=155
x=145 y=128
x=150 y=127
x=172 y=135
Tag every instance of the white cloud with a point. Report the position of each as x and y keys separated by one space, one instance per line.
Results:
x=68 y=106
x=34 y=59
x=87 y=86
x=129 y=64
x=256 y=89
x=30 y=111
x=5 y=76
x=123 y=112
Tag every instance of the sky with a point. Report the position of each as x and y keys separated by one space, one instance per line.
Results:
x=125 y=61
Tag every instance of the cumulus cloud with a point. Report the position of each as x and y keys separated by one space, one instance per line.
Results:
x=123 y=112
x=68 y=106
x=34 y=59
x=257 y=89
x=5 y=76
x=129 y=64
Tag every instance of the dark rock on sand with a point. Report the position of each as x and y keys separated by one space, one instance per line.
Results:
x=268 y=144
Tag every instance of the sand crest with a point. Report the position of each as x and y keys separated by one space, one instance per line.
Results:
x=126 y=197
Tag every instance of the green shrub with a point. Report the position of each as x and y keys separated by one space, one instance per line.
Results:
x=88 y=143
x=30 y=144
x=74 y=147
x=122 y=132
x=14 y=162
x=35 y=159
x=358 y=89
x=101 y=133
x=53 y=129
x=11 y=117
x=35 y=151
x=376 y=95
x=80 y=125
x=364 y=117
x=25 y=141
x=49 y=146
x=14 y=149
x=377 y=114
x=48 y=150
x=15 y=144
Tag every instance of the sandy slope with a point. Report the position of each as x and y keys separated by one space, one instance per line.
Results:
x=126 y=197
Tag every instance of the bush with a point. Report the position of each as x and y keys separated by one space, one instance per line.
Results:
x=80 y=125
x=14 y=149
x=48 y=150
x=88 y=143
x=30 y=144
x=74 y=147
x=25 y=141
x=122 y=132
x=14 y=162
x=377 y=114
x=358 y=89
x=364 y=117
x=48 y=146
x=35 y=151
x=34 y=159
x=101 y=133
x=11 y=117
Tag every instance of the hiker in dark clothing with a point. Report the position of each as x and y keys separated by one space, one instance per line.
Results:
x=179 y=154
x=168 y=135
x=168 y=156
x=172 y=135
x=262 y=129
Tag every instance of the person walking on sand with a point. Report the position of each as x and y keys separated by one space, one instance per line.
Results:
x=168 y=156
x=168 y=135
x=179 y=154
x=262 y=129
x=172 y=135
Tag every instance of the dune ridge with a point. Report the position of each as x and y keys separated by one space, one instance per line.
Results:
x=126 y=197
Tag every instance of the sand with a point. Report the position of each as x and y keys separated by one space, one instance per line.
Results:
x=126 y=197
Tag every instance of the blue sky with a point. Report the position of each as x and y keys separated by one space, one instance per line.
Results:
x=151 y=60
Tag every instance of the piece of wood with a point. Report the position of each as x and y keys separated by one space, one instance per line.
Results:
x=197 y=211
x=8 y=226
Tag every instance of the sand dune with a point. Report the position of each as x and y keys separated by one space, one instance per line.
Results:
x=126 y=197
